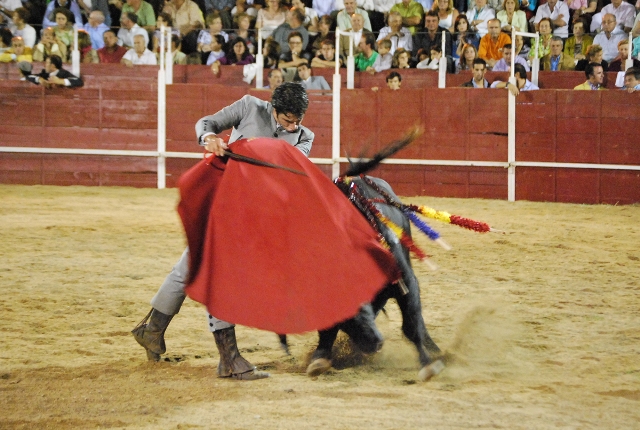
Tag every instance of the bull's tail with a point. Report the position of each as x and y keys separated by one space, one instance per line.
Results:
x=361 y=167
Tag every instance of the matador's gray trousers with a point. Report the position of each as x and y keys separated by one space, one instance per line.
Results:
x=170 y=296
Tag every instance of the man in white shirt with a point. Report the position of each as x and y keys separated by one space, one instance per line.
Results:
x=558 y=12
x=139 y=54
x=129 y=28
x=609 y=37
x=344 y=16
x=624 y=12
x=399 y=36
x=479 y=17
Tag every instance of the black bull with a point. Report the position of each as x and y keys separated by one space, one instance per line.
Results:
x=362 y=328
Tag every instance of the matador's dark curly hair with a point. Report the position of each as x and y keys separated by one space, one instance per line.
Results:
x=290 y=98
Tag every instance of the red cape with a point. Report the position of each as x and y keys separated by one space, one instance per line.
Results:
x=274 y=250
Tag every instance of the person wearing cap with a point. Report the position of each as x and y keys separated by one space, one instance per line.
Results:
x=53 y=75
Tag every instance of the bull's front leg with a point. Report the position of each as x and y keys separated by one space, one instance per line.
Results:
x=321 y=358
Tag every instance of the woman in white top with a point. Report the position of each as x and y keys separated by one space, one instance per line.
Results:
x=446 y=12
x=512 y=16
x=22 y=29
x=270 y=18
x=310 y=17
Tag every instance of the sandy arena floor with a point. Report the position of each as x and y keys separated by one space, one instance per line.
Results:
x=544 y=321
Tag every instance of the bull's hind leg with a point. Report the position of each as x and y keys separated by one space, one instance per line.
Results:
x=415 y=330
x=321 y=358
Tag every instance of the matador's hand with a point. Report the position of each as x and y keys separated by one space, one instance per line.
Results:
x=213 y=143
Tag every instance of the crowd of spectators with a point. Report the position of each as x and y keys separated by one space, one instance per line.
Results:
x=298 y=35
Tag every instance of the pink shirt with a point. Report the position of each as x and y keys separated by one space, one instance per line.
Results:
x=578 y=4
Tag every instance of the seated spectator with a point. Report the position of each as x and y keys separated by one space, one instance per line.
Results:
x=432 y=62
x=479 y=70
x=270 y=17
x=624 y=12
x=399 y=36
x=344 y=16
x=465 y=62
x=111 y=52
x=310 y=17
x=96 y=28
x=186 y=15
x=7 y=7
x=479 y=17
x=214 y=25
x=275 y=79
x=504 y=64
x=609 y=37
x=271 y=53
x=49 y=46
x=324 y=33
x=462 y=36
x=522 y=49
x=544 y=45
x=433 y=35
x=326 y=57
x=215 y=49
x=87 y=53
x=594 y=55
x=223 y=10
x=311 y=82
x=595 y=78
x=357 y=28
x=394 y=81
x=583 y=9
x=511 y=16
x=522 y=83
x=243 y=22
x=64 y=28
x=18 y=52
x=22 y=29
x=556 y=60
x=558 y=12
x=496 y=5
x=144 y=12
x=619 y=64
x=578 y=44
x=447 y=14
x=492 y=43
x=243 y=7
x=179 y=57
x=88 y=6
x=384 y=60
x=293 y=24
x=139 y=55
x=70 y=5
x=238 y=54
x=632 y=80
x=164 y=20
x=294 y=54
x=411 y=13
x=53 y=75
x=128 y=29
x=368 y=54
x=401 y=59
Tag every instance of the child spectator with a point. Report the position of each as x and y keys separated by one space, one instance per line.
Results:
x=384 y=59
x=49 y=46
x=433 y=61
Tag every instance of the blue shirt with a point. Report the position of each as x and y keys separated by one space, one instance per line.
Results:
x=95 y=34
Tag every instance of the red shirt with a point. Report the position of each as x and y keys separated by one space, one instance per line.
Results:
x=111 y=57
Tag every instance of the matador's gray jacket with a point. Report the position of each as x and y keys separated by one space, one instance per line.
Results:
x=252 y=117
